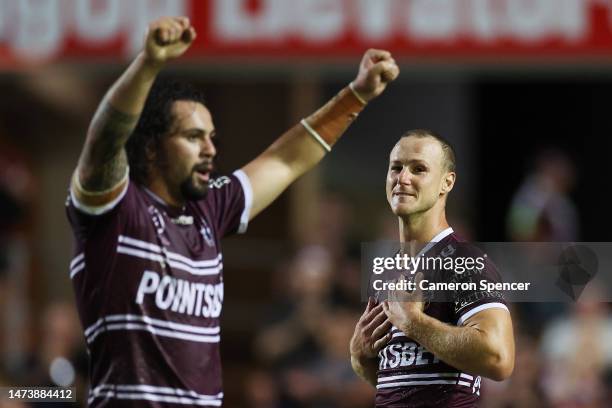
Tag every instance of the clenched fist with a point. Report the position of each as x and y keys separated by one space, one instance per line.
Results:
x=376 y=71
x=168 y=37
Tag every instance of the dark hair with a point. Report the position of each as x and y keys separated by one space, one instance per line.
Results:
x=447 y=148
x=155 y=121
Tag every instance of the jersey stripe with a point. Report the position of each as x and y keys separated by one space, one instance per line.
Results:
x=139 y=244
x=140 y=254
x=173 y=263
x=153 y=393
x=77 y=259
x=480 y=308
x=153 y=330
x=146 y=250
x=155 y=326
x=417 y=376
x=424 y=379
x=77 y=264
x=409 y=383
x=77 y=269
x=156 y=322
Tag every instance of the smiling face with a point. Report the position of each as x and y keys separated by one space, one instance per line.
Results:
x=418 y=177
x=185 y=159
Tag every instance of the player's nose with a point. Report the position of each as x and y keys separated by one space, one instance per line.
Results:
x=207 y=148
x=404 y=176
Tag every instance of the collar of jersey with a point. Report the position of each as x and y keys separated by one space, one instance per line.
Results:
x=439 y=237
x=160 y=201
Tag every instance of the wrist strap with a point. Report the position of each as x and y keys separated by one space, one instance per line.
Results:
x=316 y=136
x=359 y=97
x=328 y=123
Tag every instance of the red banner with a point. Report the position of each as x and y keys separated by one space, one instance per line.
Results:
x=94 y=30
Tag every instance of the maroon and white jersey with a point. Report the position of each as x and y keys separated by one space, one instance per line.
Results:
x=149 y=289
x=411 y=376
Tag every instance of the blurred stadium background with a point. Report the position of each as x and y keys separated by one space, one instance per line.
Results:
x=522 y=87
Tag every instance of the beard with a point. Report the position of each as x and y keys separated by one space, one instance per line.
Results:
x=191 y=191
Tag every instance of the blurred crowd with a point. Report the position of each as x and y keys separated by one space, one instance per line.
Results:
x=299 y=356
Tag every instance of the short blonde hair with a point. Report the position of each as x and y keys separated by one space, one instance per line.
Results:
x=447 y=148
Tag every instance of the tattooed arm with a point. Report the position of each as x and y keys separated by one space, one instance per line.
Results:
x=101 y=173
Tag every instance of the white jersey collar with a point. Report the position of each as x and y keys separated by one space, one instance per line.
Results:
x=439 y=237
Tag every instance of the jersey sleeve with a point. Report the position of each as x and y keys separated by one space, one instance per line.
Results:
x=96 y=235
x=119 y=190
x=230 y=199
x=469 y=302
x=84 y=220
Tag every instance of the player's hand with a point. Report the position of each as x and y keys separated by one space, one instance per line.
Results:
x=167 y=38
x=404 y=308
x=376 y=71
x=371 y=332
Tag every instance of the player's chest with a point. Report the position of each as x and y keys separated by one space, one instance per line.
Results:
x=189 y=232
x=184 y=245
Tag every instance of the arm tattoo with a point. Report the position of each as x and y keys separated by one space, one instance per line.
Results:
x=104 y=160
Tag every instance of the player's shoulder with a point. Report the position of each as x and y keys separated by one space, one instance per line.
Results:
x=131 y=200
x=454 y=245
x=222 y=192
x=457 y=247
x=220 y=181
x=221 y=187
x=236 y=180
x=225 y=189
x=228 y=202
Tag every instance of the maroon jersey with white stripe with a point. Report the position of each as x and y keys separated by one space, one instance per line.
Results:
x=411 y=376
x=149 y=288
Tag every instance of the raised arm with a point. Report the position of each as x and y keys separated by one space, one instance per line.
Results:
x=305 y=144
x=101 y=172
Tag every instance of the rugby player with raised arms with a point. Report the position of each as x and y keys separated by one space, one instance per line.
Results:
x=148 y=219
x=431 y=354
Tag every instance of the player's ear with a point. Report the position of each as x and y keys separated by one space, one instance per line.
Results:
x=448 y=182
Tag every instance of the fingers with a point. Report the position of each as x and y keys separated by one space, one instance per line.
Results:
x=384 y=64
x=390 y=75
x=376 y=321
x=367 y=318
x=367 y=310
x=382 y=329
x=380 y=343
x=376 y=70
x=376 y=55
x=387 y=69
x=369 y=306
x=188 y=35
x=168 y=31
x=372 y=304
x=183 y=22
